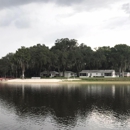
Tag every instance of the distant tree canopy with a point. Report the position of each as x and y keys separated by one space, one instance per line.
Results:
x=66 y=54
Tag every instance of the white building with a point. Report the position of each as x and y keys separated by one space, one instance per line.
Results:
x=68 y=74
x=126 y=74
x=49 y=74
x=97 y=73
x=54 y=74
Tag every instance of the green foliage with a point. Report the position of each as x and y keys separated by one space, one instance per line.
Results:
x=66 y=54
x=22 y=56
x=63 y=51
x=6 y=67
x=40 y=57
x=120 y=57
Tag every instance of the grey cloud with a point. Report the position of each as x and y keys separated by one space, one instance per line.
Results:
x=116 y=22
x=9 y=3
x=5 y=22
x=6 y=3
x=7 y=18
x=22 y=23
x=126 y=7
x=88 y=4
x=16 y=17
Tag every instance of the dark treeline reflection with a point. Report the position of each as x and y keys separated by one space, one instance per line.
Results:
x=66 y=103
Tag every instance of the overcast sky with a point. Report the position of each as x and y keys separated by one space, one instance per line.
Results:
x=93 y=22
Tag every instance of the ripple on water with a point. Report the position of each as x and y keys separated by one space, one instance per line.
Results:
x=66 y=108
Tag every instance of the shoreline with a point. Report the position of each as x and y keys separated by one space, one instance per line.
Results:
x=59 y=81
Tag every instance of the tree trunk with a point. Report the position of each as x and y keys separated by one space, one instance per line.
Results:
x=23 y=70
x=120 y=72
x=16 y=73
x=78 y=74
x=22 y=74
x=63 y=73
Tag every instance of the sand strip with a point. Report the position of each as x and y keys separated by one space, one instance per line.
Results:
x=64 y=81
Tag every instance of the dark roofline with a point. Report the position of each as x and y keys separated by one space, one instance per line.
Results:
x=96 y=71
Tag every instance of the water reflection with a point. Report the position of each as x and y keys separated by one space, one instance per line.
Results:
x=68 y=106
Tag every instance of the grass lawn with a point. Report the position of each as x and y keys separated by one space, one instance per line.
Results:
x=92 y=79
x=107 y=79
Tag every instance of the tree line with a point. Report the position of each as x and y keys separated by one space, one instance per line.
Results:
x=65 y=55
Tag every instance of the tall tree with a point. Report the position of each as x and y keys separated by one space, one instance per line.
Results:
x=63 y=47
x=120 y=57
x=6 y=67
x=81 y=57
x=101 y=58
x=40 y=58
x=23 y=56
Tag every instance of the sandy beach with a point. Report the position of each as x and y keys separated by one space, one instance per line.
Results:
x=33 y=81
x=38 y=80
x=59 y=81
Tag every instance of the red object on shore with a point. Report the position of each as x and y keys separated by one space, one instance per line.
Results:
x=1 y=79
x=5 y=79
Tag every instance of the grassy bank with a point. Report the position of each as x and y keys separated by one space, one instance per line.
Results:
x=118 y=80
x=106 y=79
x=95 y=79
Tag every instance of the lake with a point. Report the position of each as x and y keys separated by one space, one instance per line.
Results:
x=64 y=107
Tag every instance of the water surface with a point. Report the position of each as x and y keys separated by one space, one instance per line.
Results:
x=65 y=107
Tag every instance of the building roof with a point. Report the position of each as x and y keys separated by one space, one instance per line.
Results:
x=97 y=71
x=51 y=72
x=69 y=72
x=54 y=72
